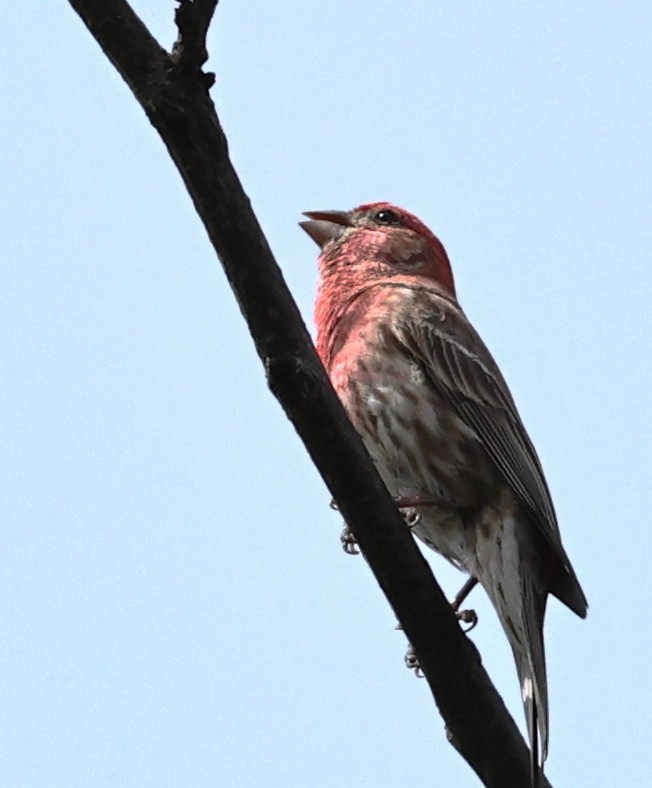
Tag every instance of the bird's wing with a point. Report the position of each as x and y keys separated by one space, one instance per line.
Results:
x=458 y=363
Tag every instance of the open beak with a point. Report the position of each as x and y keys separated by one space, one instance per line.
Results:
x=326 y=226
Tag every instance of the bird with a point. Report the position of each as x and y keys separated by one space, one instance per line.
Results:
x=440 y=424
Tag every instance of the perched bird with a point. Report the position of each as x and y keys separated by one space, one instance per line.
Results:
x=440 y=424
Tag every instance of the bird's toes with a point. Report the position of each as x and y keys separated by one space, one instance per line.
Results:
x=411 y=516
x=469 y=617
x=349 y=542
x=412 y=662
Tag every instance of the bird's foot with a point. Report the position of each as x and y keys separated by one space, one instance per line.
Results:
x=409 y=510
x=411 y=516
x=467 y=617
x=412 y=662
x=409 y=506
x=349 y=542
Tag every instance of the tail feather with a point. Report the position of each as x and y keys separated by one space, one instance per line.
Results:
x=521 y=613
x=509 y=565
x=529 y=655
x=534 y=747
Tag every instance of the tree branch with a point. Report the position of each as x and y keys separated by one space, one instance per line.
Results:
x=175 y=99
x=193 y=18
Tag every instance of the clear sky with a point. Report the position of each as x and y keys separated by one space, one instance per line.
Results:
x=175 y=608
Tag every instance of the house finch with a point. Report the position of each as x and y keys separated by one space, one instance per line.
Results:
x=440 y=423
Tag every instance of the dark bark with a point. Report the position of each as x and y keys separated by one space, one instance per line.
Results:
x=173 y=91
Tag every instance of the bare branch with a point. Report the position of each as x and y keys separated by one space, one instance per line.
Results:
x=176 y=100
x=193 y=18
x=116 y=28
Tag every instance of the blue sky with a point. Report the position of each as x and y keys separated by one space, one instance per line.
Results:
x=175 y=608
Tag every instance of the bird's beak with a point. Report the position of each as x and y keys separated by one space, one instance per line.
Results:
x=326 y=226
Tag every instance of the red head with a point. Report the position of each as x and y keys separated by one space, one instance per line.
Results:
x=376 y=241
x=371 y=244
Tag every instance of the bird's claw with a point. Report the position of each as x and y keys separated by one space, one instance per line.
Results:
x=412 y=662
x=411 y=516
x=349 y=542
x=467 y=617
x=409 y=507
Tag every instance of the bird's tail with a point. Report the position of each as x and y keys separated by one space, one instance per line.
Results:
x=522 y=618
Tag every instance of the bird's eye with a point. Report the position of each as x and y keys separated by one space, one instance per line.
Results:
x=387 y=217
